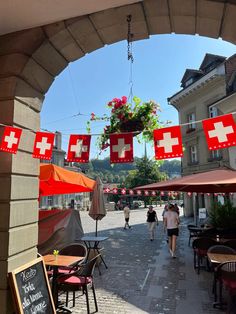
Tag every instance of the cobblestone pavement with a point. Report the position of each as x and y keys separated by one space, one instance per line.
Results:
x=141 y=276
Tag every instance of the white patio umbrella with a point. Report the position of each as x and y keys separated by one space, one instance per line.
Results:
x=97 y=210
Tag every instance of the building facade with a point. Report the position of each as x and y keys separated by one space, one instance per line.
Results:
x=206 y=93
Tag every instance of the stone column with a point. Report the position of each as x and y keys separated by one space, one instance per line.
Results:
x=20 y=105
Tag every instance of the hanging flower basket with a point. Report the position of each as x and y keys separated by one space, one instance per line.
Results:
x=125 y=117
x=132 y=126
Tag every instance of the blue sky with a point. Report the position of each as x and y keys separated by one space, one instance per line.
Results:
x=87 y=85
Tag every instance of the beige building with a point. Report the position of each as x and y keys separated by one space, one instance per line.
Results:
x=206 y=93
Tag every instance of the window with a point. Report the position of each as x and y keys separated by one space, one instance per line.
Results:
x=193 y=154
x=213 y=111
x=191 y=120
x=189 y=81
x=50 y=200
x=216 y=154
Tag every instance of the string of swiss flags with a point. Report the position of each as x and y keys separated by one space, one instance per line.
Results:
x=124 y=191
x=220 y=132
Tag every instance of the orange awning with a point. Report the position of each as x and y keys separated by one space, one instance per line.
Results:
x=214 y=181
x=57 y=180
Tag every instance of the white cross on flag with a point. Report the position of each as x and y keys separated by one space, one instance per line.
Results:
x=121 y=148
x=220 y=131
x=131 y=192
x=146 y=193
x=115 y=191
x=43 y=145
x=106 y=190
x=139 y=192
x=123 y=191
x=168 y=142
x=10 y=139
x=153 y=193
x=79 y=147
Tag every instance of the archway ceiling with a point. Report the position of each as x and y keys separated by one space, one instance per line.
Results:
x=212 y=18
x=16 y=15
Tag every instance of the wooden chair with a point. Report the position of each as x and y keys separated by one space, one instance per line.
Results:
x=79 y=280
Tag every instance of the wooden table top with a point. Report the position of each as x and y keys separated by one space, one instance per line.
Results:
x=61 y=260
x=221 y=258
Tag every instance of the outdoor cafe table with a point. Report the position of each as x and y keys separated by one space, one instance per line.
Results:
x=55 y=263
x=219 y=258
x=92 y=243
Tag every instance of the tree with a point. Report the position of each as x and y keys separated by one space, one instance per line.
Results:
x=146 y=172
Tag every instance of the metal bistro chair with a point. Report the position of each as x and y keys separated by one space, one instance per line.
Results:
x=227 y=275
x=200 y=248
x=192 y=232
x=79 y=280
x=222 y=249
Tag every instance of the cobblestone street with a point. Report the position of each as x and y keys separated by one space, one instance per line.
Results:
x=141 y=276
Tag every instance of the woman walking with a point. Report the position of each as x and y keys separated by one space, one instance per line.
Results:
x=171 y=223
x=152 y=221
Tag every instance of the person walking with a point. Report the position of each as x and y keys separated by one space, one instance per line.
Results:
x=171 y=223
x=152 y=221
x=126 y=214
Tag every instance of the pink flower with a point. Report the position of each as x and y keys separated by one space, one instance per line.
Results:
x=92 y=116
x=124 y=100
x=110 y=104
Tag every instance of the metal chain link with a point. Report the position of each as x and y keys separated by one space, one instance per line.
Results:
x=129 y=39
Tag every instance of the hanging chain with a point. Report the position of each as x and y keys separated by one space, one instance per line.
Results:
x=130 y=56
x=129 y=40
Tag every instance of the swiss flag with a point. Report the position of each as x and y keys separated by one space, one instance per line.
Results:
x=115 y=191
x=146 y=193
x=168 y=142
x=123 y=191
x=153 y=193
x=131 y=192
x=121 y=148
x=106 y=190
x=220 y=131
x=139 y=192
x=43 y=145
x=79 y=147
x=10 y=139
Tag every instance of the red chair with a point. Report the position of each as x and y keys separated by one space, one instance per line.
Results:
x=200 y=248
x=79 y=280
x=227 y=276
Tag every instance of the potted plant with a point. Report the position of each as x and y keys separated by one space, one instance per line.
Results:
x=223 y=217
x=138 y=118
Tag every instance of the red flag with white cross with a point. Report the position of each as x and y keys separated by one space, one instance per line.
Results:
x=139 y=192
x=79 y=147
x=106 y=190
x=168 y=142
x=115 y=191
x=146 y=193
x=10 y=139
x=123 y=191
x=121 y=148
x=153 y=193
x=131 y=192
x=43 y=145
x=220 y=131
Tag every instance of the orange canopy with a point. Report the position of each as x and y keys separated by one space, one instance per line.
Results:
x=220 y=180
x=57 y=180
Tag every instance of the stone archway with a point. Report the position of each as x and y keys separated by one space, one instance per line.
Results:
x=29 y=62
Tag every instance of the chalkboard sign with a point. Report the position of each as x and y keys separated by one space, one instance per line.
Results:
x=31 y=289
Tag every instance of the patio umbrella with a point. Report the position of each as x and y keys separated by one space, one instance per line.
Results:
x=58 y=180
x=97 y=210
x=220 y=180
